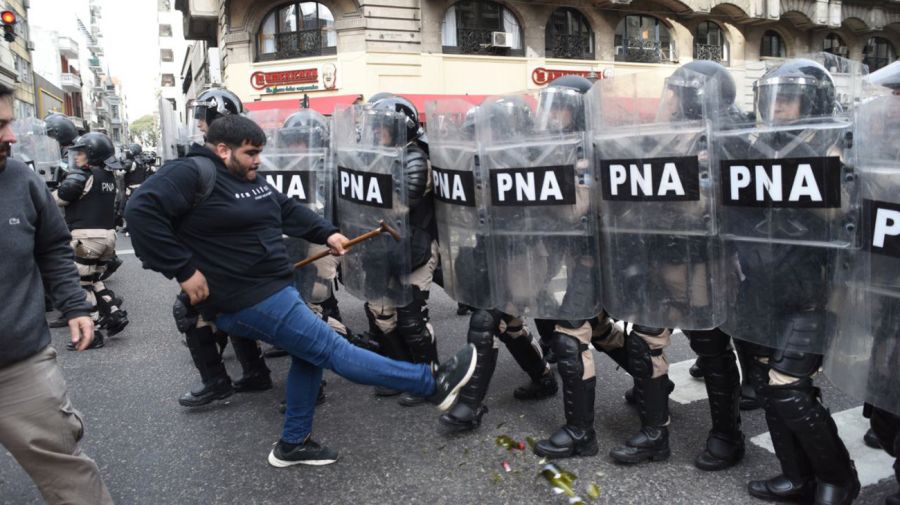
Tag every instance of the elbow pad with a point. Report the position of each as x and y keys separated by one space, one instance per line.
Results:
x=416 y=173
x=73 y=186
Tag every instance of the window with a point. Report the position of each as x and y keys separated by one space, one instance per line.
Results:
x=165 y=30
x=569 y=35
x=296 y=30
x=878 y=53
x=163 y=5
x=469 y=26
x=166 y=55
x=834 y=44
x=23 y=69
x=168 y=80
x=772 y=45
x=643 y=39
x=710 y=43
x=23 y=109
x=115 y=111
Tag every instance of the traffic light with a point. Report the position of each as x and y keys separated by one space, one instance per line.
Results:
x=9 y=25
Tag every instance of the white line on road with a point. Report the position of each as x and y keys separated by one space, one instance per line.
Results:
x=125 y=251
x=873 y=465
x=687 y=388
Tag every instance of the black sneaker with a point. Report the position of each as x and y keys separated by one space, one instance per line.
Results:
x=451 y=376
x=306 y=453
x=253 y=382
x=97 y=343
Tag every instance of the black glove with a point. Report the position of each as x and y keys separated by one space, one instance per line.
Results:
x=186 y=316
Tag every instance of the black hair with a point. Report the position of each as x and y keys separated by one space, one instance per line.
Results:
x=5 y=92
x=234 y=130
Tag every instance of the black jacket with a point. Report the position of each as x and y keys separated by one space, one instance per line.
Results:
x=234 y=237
x=97 y=208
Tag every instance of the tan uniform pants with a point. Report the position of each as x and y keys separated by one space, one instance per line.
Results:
x=94 y=247
x=41 y=429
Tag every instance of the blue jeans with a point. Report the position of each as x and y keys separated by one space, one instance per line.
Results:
x=284 y=321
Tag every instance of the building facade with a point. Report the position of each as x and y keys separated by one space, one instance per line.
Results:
x=20 y=51
x=277 y=50
x=173 y=50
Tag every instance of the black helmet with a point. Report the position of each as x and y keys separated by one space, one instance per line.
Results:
x=378 y=96
x=98 y=148
x=400 y=104
x=60 y=128
x=304 y=126
x=506 y=117
x=689 y=83
x=566 y=92
x=799 y=79
x=135 y=149
x=215 y=103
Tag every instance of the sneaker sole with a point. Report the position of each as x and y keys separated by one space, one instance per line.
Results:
x=448 y=401
x=280 y=463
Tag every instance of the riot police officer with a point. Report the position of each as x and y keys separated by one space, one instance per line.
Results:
x=788 y=245
x=465 y=256
x=88 y=195
x=404 y=332
x=205 y=343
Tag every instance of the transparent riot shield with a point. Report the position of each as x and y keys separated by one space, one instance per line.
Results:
x=788 y=206
x=34 y=148
x=296 y=162
x=864 y=357
x=370 y=187
x=169 y=136
x=460 y=205
x=538 y=181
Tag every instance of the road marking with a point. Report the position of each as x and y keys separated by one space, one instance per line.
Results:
x=872 y=465
x=125 y=251
x=687 y=389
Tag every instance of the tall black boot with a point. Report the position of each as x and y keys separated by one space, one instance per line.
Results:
x=257 y=376
x=112 y=317
x=545 y=329
x=725 y=444
x=529 y=358
x=466 y=414
x=755 y=375
x=577 y=437
x=412 y=328
x=330 y=309
x=652 y=441
x=215 y=383
x=799 y=406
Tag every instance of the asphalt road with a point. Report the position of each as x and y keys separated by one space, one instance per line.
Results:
x=153 y=451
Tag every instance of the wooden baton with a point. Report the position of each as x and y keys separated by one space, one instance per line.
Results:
x=382 y=228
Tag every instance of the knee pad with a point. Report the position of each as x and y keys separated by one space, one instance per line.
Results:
x=567 y=348
x=482 y=327
x=709 y=343
x=795 y=363
x=640 y=357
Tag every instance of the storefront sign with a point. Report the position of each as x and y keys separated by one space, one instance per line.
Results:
x=291 y=81
x=541 y=75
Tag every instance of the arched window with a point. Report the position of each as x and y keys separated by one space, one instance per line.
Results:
x=772 y=45
x=835 y=45
x=476 y=27
x=296 y=30
x=569 y=35
x=879 y=52
x=643 y=39
x=710 y=43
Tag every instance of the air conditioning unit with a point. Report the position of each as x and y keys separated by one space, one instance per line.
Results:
x=620 y=50
x=501 y=39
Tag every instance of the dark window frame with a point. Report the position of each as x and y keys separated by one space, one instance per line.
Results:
x=828 y=45
x=476 y=39
x=876 y=62
x=302 y=43
x=569 y=45
x=640 y=50
x=704 y=50
x=766 y=43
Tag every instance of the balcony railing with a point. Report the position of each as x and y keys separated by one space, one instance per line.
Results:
x=300 y=44
x=94 y=62
x=709 y=52
x=574 y=46
x=67 y=47
x=70 y=82
x=478 y=41
x=643 y=51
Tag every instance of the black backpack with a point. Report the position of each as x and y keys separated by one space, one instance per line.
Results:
x=207 y=170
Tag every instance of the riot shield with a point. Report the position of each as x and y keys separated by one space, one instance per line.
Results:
x=788 y=207
x=369 y=147
x=460 y=205
x=169 y=136
x=538 y=182
x=34 y=148
x=662 y=260
x=864 y=357
x=296 y=162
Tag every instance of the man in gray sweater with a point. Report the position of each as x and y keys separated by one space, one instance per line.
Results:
x=38 y=424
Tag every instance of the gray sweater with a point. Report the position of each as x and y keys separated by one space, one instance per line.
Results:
x=34 y=252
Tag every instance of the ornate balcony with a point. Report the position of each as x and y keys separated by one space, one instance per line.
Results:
x=300 y=44
x=709 y=52
x=642 y=51
x=576 y=46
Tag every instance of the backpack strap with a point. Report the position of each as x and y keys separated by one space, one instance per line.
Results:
x=207 y=171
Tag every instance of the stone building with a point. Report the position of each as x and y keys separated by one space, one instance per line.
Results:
x=273 y=52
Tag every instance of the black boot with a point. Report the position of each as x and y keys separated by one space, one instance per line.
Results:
x=696 y=370
x=393 y=347
x=112 y=265
x=112 y=318
x=467 y=413
x=725 y=444
x=256 y=375
x=330 y=309
x=631 y=399
x=412 y=328
x=871 y=440
x=652 y=441
x=801 y=409
x=215 y=383
x=755 y=375
x=577 y=437
x=98 y=342
x=796 y=482
x=531 y=361
x=545 y=329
